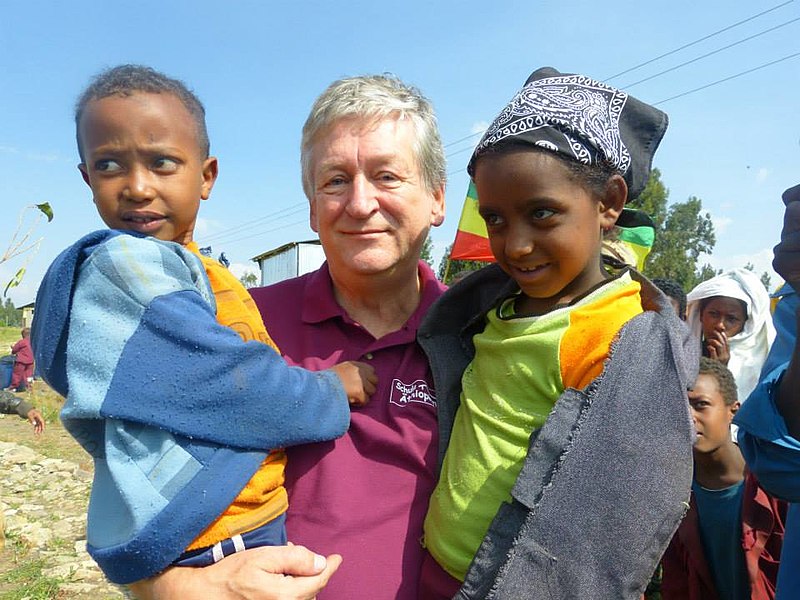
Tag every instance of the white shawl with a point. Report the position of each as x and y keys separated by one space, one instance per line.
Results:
x=748 y=348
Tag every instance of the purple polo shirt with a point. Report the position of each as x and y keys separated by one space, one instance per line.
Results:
x=364 y=495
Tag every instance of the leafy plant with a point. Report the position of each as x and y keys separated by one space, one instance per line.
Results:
x=22 y=242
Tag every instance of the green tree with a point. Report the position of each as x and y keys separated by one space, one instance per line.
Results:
x=767 y=281
x=9 y=315
x=683 y=233
x=249 y=279
x=456 y=267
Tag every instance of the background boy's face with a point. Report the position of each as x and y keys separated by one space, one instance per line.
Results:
x=712 y=417
x=544 y=227
x=144 y=164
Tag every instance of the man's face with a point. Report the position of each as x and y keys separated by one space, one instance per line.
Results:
x=371 y=207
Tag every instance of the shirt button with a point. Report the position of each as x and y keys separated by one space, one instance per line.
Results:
x=368 y=356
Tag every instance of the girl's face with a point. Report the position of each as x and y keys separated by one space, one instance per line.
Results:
x=722 y=314
x=544 y=227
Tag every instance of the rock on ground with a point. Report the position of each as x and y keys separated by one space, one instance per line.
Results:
x=43 y=504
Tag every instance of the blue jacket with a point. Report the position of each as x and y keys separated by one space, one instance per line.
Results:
x=175 y=409
x=606 y=479
x=771 y=453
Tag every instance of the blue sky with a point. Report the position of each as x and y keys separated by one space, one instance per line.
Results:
x=258 y=66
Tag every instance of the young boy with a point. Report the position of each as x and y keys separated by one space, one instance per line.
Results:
x=561 y=390
x=675 y=293
x=171 y=381
x=23 y=365
x=729 y=544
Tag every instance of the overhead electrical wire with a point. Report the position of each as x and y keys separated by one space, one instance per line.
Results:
x=233 y=232
x=713 y=52
x=697 y=41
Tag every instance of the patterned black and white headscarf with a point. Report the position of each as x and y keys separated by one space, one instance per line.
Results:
x=582 y=119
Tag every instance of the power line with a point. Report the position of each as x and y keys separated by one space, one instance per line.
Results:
x=290 y=211
x=697 y=41
x=727 y=78
x=266 y=231
x=464 y=139
x=688 y=62
x=283 y=213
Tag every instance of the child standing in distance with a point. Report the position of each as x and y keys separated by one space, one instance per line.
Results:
x=675 y=293
x=561 y=390
x=171 y=381
x=23 y=364
x=729 y=544
x=730 y=314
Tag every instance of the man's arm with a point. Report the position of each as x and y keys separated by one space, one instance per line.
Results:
x=268 y=573
x=769 y=421
x=787 y=265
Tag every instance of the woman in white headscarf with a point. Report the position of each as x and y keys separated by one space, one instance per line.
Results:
x=730 y=315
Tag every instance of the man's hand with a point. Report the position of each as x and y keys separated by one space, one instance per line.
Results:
x=787 y=253
x=268 y=573
x=35 y=419
x=359 y=381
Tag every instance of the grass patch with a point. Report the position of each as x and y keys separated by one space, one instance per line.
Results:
x=28 y=581
x=8 y=337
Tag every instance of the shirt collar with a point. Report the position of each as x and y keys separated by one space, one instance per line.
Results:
x=319 y=302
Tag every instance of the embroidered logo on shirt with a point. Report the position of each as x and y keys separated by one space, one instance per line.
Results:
x=403 y=394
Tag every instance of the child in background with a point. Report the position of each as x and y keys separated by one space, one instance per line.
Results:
x=729 y=544
x=561 y=390
x=23 y=363
x=11 y=404
x=675 y=293
x=171 y=381
x=730 y=314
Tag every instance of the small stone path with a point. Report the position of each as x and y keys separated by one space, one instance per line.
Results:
x=43 y=503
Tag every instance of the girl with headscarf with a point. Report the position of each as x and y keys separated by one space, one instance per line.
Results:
x=730 y=314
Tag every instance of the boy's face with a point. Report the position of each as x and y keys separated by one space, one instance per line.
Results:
x=544 y=227
x=712 y=417
x=144 y=164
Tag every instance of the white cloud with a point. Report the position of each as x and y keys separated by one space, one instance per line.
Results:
x=48 y=157
x=762 y=174
x=239 y=269
x=761 y=261
x=479 y=127
x=205 y=227
x=720 y=223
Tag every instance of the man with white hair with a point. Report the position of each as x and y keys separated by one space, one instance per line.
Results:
x=374 y=173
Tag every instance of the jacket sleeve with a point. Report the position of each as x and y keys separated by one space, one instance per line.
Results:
x=145 y=346
x=11 y=404
x=771 y=453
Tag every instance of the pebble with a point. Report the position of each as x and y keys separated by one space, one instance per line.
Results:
x=43 y=504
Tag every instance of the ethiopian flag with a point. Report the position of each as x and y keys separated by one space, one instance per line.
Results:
x=472 y=241
x=636 y=230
